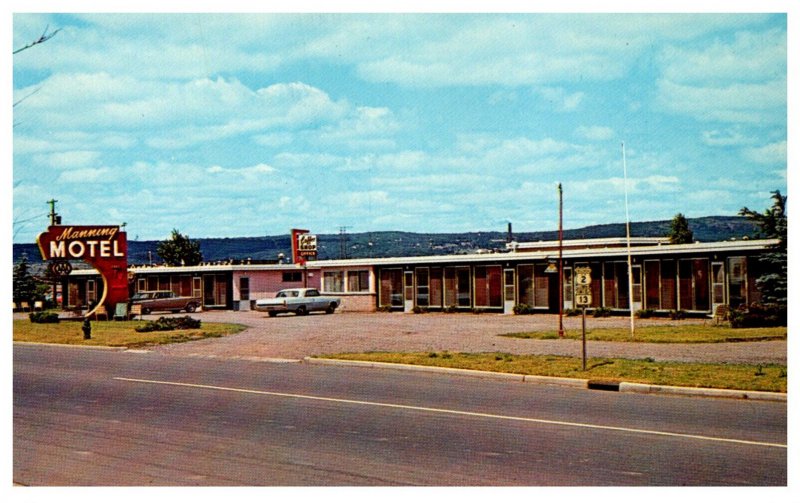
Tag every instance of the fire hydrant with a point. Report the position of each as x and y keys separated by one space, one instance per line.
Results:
x=87 y=329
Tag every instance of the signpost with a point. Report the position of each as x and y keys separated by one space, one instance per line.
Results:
x=583 y=298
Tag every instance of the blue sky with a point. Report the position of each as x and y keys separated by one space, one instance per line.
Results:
x=225 y=125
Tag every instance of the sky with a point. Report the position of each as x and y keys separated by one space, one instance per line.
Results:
x=228 y=125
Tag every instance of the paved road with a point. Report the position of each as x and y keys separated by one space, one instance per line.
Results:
x=98 y=417
x=300 y=336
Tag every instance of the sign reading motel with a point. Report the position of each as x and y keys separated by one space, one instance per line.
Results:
x=104 y=247
x=84 y=243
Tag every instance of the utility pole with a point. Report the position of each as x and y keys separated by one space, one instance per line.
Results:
x=343 y=242
x=55 y=219
x=53 y=215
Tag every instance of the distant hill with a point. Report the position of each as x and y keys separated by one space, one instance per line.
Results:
x=402 y=244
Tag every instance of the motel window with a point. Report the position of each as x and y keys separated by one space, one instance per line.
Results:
x=391 y=287
x=488 y=286
x=244 y=288
x=292 y=277
x=435 y=288
x=358 y=281
x=333 y=281
x=693 y=284
x=737 y=281
x=652 y=284
x=422 y=287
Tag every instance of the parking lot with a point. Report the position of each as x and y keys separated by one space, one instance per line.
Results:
x=295 y=337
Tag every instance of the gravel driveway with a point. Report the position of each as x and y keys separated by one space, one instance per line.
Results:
x=294 y=337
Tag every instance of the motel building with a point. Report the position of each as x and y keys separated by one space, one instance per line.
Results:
x=695 y=278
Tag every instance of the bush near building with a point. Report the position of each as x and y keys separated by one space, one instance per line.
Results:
x=759 y=315
x=164 y=324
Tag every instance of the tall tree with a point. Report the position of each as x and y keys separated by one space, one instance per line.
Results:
x=179 y=250
x=25 y=287
x=772 y=223
x=679 y=232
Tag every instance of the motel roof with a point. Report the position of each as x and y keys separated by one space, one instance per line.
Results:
x=587 y=249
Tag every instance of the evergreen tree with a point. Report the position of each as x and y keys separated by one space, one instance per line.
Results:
x=679 y=232
x=773 y=282
x=179 y=250
x=25 y=287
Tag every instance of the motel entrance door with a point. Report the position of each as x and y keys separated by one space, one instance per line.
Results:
x=408 y=291
x=717 y=285
x=508 y=291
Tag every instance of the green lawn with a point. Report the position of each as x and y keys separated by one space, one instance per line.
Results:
x=686 y=333
x=702 y=375
x=114 y=333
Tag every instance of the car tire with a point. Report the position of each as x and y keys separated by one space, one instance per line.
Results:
x=301 y=311
x=272 y=314
x=145 y=310
x=190 y=308
x=330 y=309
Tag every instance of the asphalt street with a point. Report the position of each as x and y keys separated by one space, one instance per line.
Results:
x=87 y=417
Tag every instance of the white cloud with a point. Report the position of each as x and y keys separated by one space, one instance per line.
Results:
x=741 y=79
x=86 y=175
x=258 y=169
x=746 y=102
x=749 y=57
x=67 y=160
x=595 y=133
x=773 y=153
x=725 y=138
x=560 y=99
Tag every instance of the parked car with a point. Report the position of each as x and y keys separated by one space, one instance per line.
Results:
x=165 y=300
x=299 y=301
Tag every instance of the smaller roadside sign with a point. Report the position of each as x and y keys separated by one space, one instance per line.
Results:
x=583 y=295
x=583 y=276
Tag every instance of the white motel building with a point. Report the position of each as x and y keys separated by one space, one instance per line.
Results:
x=695 y=278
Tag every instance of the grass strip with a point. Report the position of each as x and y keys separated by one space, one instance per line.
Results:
x=767 y=377
x=666 y=334
x=115 y=333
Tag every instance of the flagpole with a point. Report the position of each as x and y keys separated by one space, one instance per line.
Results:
x=560 y=262
x=628 y=233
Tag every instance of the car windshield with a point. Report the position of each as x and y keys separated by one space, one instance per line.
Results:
x=140 y=296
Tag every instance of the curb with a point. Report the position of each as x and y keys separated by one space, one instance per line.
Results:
x=628 y=387
x=624 y=387
x=78 y=346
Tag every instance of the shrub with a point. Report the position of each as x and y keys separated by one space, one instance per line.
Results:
x=602 y=312
x=523 y=309
x=758 y=315
x=419 y=310
x=164 y=324
x=645 y=313
x=450 y=309
x=677 y=315
x=43 y=317
x=477 y=310
x=385 y=309
x=573 y=312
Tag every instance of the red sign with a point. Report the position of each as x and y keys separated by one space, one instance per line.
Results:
x=103 y=247
x=297 y=257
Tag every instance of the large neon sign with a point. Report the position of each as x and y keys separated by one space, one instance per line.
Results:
x=104 y=247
